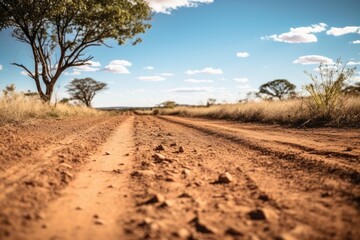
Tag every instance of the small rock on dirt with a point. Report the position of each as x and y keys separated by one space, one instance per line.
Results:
x=173 y=145
x=99 y=222
x=183 y=233
x=185 y=173
x=257 y=214
x=264 y=197
x=225 y=178
x=233 y=232
x=203 y=227
x=107 y=153
x=159 y=157
x=142 y=173
x=156 y=198
x=159 y=148
x=181 y=149
x=65 y=165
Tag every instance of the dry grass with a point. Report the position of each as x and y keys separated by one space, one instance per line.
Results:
x=17 y=107
x=289 y=112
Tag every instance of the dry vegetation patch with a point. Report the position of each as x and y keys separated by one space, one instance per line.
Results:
x=17 y=107
x=294 y=112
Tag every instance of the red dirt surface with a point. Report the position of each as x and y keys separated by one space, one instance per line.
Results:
x=145 y=177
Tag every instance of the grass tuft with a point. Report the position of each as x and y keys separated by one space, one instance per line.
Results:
x=17 y=107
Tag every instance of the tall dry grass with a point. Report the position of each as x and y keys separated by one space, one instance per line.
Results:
x=17 y=107
x=289 y=112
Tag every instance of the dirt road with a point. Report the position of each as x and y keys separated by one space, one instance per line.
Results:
x=145 y=177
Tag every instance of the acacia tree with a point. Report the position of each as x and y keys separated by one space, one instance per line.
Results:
x=279 y=88
x=84 y=89
x=59 y=32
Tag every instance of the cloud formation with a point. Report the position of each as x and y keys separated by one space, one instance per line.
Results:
x=298 y=35
x=166 y=6
x=90 y=66
x=242 y=54
x=149 y=68
x=118 y=67
x=151 y=78
x=241 y=80
x=313 y=59
x=167 y=74
x=1 y=67
x=191 y=90
x=342 y=31
x=355 y=42
x=352 y=63
x=208 y=70
x=198 y=81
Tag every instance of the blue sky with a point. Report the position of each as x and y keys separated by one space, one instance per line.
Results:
x=200 y=49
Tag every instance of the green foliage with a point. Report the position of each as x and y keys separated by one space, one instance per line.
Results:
x=84 y=89
x=59 y=32
x=327 y=89
x=279 y=88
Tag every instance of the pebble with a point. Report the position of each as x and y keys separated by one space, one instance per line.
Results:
x=107 y=153
x=183 y=233
x=181 y=149
x=204 y=227
x=159 y=148
x=264 y=197
x=141 y=173
x=185 y=173
x=65 y=165
x=257 y=214
x=156 y=198
x=233 y=232
x=225 y=178
x=98 y=222
x=159 y=157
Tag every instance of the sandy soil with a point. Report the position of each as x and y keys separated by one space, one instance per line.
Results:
x=144 y=177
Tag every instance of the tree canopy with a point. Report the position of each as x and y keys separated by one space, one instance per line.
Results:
x=58 y=32
x=279 y=88
x=84 y=89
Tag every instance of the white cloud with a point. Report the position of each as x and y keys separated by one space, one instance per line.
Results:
x=208 y=70
x=166 y=6
x=352 y=63
x=151 y=78
x=1 y=67
x=24 y=73
x=222 y=79
x=74 y=73
x=342 y=31
x=191 y=90
x=241 y=80
x=90 y=66
x=118 y=66
x=298 y=35
x=149 y=68
x=242 y=54
x=245 y=87
x=313 y=59
x=198 y=81
x=167 y=74
x=355 y=42
x=136 y=91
